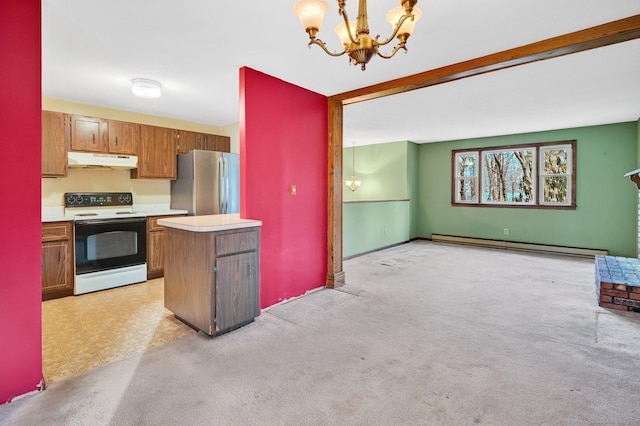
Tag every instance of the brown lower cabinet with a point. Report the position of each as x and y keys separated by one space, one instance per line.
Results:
x=213 y=280
x=57 y=260
x=155 y=247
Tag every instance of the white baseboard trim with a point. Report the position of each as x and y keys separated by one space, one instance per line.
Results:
x=575 y=251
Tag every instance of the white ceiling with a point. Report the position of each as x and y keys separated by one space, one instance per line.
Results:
x=92 y=50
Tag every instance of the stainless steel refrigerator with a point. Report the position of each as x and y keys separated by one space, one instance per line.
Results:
x=208 y=183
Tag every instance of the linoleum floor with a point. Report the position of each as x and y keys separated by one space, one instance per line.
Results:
x=86 y=331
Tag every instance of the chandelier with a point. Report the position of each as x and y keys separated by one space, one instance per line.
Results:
x=354 y=35
x=353 y=184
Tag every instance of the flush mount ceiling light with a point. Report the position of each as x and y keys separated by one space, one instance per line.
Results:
x=146 y=88
x=354 y=35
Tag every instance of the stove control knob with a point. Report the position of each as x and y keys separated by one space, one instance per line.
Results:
x=78 y=199
x=71 y=199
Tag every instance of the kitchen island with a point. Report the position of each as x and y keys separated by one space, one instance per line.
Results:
x=211 y=272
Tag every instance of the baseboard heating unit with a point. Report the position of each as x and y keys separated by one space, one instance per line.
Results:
x=512 y=245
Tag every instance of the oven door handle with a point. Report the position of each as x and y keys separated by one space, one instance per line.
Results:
x=102 y=221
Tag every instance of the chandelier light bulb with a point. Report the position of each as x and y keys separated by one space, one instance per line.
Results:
x=311 y=14
x=343 y=33
x=394 y=16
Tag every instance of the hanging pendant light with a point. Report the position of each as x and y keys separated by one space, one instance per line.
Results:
x=353 y=184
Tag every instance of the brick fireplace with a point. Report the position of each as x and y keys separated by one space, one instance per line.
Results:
x=618 y=283
x=618 y=278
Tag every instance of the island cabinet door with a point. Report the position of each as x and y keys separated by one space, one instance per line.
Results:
x=237 y=290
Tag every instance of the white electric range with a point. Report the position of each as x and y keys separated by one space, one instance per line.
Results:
x=109 y=239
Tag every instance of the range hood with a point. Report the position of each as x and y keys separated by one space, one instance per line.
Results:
x=90 y=160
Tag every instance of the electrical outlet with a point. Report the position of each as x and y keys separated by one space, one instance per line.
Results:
x=506 y=231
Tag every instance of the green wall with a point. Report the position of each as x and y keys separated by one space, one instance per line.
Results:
x=369 y=226
x=413 y=187
x=382 y=168
x=406 y=193
x=607 y=205
x=379 y=213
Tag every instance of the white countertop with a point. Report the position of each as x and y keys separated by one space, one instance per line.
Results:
x=56 y=219
x=209 y=223
x=168 y=212
x=56 y=214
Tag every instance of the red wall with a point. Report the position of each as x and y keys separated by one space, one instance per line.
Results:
x=283 y=142
x=20 y=269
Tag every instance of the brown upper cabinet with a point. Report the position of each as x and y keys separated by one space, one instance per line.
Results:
x=55 y=144
x=217 y=143
x=222 y=143
x=123 y=137
x=89 y=134
x=209 y=142
x=156 y=147
x=156 y=153
x=188 y=141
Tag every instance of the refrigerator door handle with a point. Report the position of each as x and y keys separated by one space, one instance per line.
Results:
x=220 y=185
x=223 y=210
x=226 y=185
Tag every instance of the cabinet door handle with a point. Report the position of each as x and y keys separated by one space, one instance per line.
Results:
x=116 y=141
x=249 y=269
x=93 y=137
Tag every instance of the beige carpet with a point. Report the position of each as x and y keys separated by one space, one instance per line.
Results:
x=422 y=334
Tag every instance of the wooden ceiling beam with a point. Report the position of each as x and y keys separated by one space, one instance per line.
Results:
x=591 y=38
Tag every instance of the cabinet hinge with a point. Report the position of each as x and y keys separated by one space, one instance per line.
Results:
x=215 y=268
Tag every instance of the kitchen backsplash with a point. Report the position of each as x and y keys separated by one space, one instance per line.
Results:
x=145 y=191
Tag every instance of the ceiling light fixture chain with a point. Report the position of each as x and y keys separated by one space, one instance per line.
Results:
x=354 y=35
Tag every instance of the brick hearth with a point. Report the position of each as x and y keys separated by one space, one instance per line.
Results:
x=618 y=283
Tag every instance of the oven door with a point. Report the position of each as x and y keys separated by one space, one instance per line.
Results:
x=102 y=244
